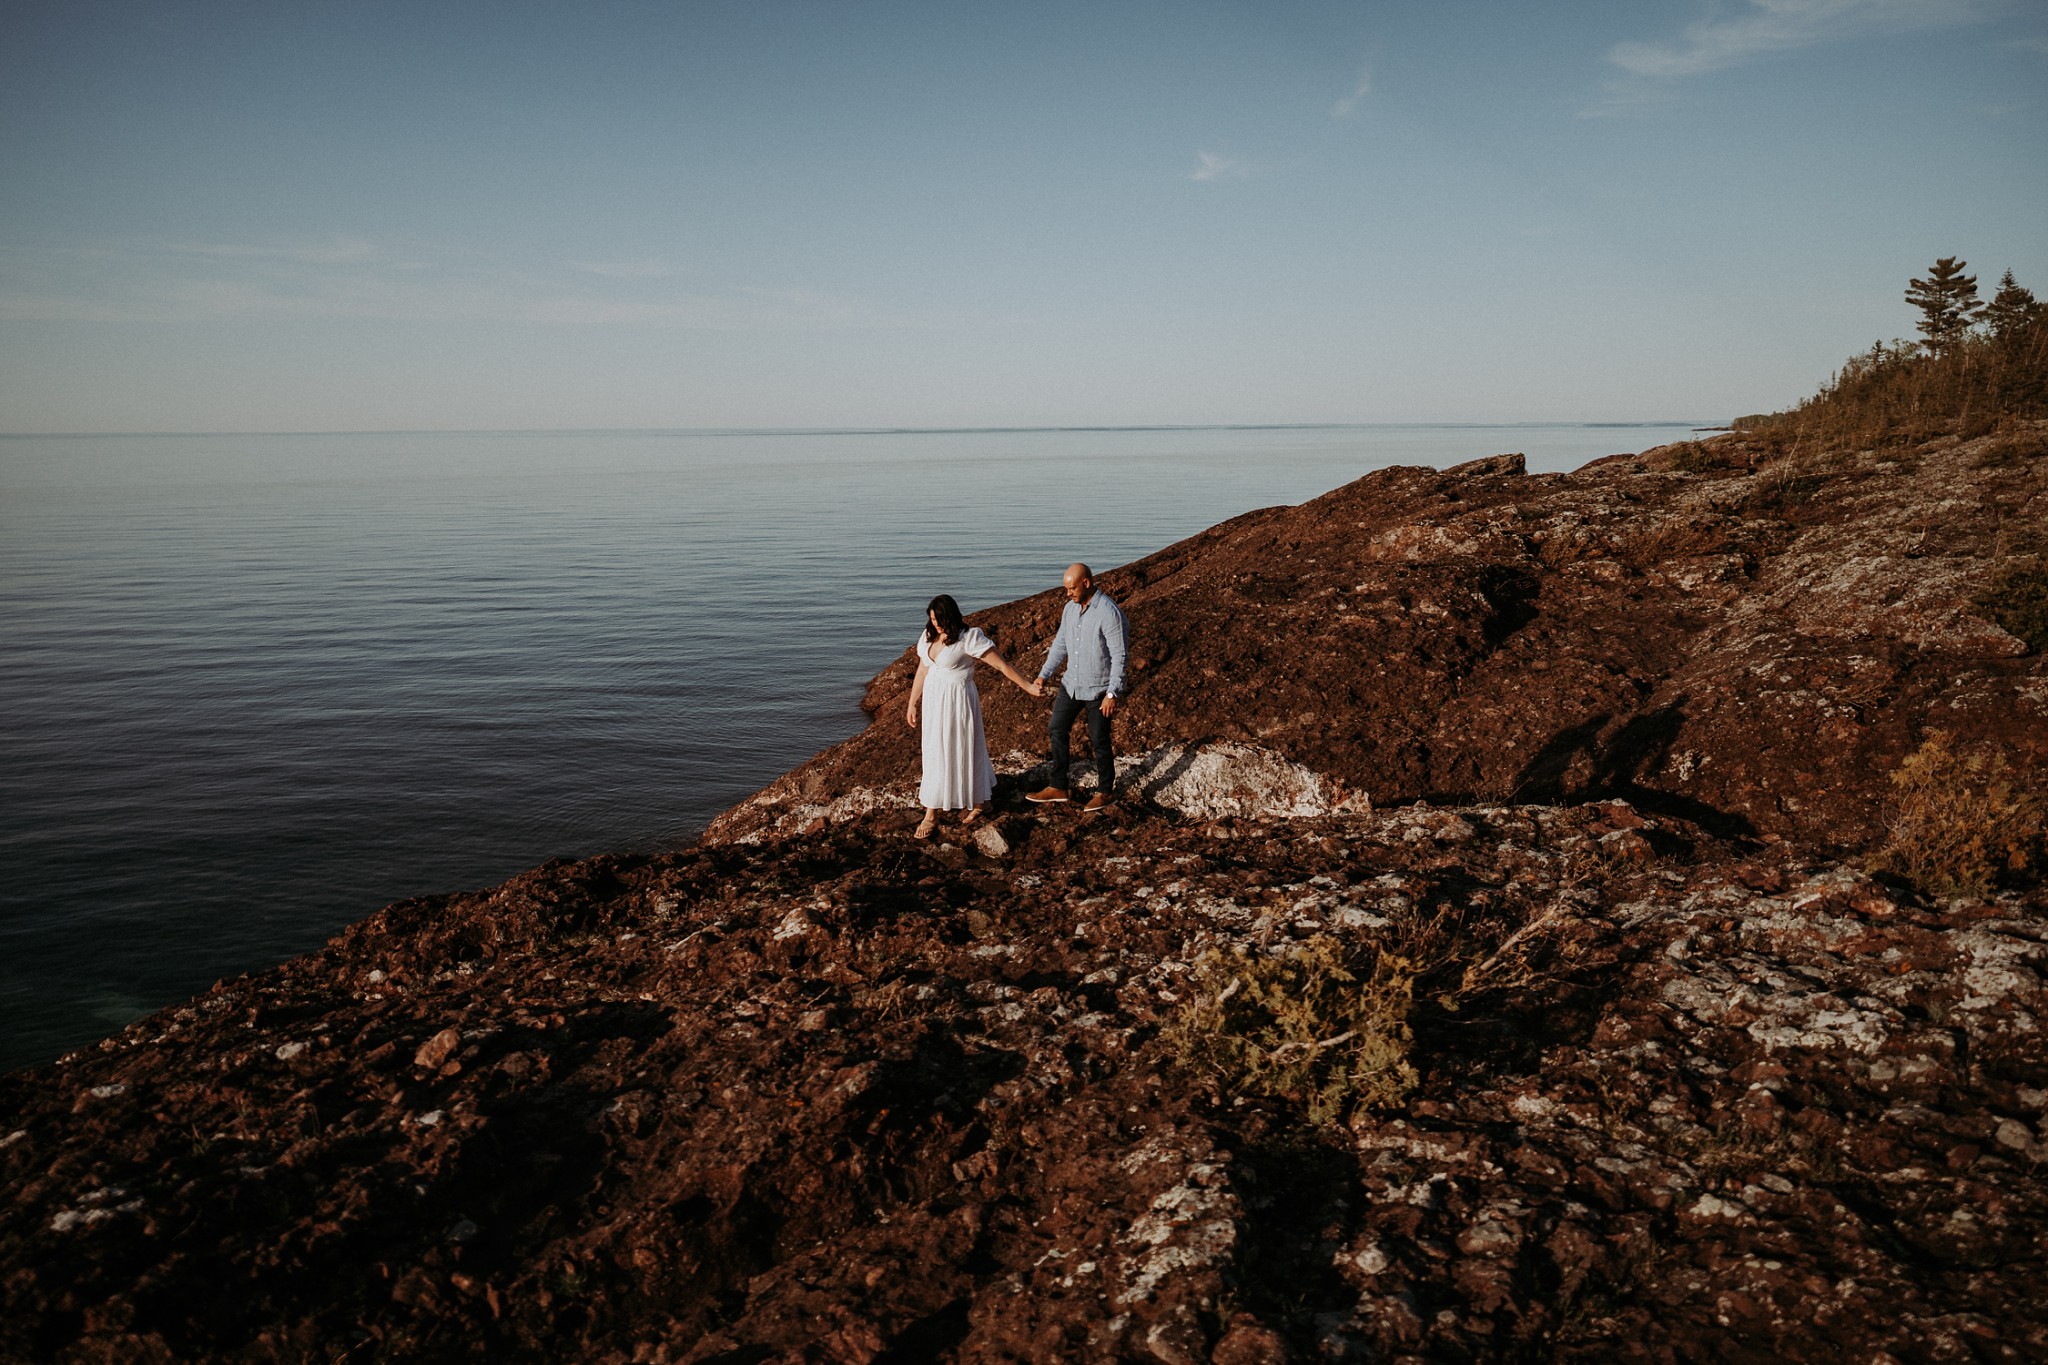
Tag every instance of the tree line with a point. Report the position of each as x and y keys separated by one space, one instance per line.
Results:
x=1979 y=366
x=1951 y=313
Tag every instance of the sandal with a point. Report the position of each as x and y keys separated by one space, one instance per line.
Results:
x=925 y=827
x=973 y=813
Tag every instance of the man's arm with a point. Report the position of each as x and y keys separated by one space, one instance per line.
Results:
x=1116 y=635
x=1057 y=655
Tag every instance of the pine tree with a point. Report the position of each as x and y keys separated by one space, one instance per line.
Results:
x=2012 y=309
x=1948 y=304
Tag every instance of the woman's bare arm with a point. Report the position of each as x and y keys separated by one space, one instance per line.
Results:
x=994 y=659
x=916 y=691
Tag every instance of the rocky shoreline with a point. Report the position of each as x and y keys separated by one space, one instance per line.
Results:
x=1603 y=755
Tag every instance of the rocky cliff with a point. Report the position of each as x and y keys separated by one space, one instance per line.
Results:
x=1593 y=763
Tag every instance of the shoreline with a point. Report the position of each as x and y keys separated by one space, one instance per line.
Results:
x=168 y=833
x=1590 y=762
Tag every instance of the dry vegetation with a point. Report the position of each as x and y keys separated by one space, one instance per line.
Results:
x=2017 y=601
x=1964 y=822
x=1324 y=1025
x=1900 y=394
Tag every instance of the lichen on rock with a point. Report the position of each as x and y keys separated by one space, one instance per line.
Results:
x=1602 y=758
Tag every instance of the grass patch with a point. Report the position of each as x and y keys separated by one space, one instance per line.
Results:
x=1781 y=488
x=1743 y=1152
x=1677 y=539
x=1963 y=821
x=2017 y=602
x=1322 y=1026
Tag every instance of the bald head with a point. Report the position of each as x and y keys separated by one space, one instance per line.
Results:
x=1079 y=582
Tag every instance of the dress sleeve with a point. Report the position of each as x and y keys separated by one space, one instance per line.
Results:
x=917 y=650
x=976 y=641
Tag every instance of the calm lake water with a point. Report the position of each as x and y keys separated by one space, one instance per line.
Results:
x=254 y=687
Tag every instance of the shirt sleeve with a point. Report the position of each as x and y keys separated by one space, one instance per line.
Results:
x=976 y=641
x=1116 y=634
x=1057 y=655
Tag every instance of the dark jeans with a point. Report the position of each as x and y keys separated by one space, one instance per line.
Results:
x=1064 y=711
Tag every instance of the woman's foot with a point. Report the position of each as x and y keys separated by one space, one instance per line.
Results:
x=973 y=813
x=926 y=826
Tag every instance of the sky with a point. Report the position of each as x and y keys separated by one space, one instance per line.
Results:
x=626 y=214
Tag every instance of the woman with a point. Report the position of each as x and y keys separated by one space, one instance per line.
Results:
x=956 y=767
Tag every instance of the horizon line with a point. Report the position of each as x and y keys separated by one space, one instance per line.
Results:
x=862 y=430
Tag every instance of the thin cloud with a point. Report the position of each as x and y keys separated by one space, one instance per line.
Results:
x=1625 y=98
x=1769 y=26
x=1210 y=166
x=339 y=251
x=1343 y=107
x=626 y=270
x=183 y=282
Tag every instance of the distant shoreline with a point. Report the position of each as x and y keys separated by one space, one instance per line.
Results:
x=870 y=431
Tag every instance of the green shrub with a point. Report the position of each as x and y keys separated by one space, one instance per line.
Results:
x=1962 y=821
x=2017 y=602
x=1321 y=1026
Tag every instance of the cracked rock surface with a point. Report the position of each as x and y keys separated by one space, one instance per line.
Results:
x=811 y=1091
x=1703 y=644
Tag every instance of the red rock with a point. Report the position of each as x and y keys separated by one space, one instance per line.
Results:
x=1248 y=1342
x=839 y=1098
x=437 y=1049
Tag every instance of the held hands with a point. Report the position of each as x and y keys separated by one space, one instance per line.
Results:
x=1036 y=687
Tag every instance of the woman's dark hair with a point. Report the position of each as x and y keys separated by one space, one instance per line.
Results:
x=946 y=612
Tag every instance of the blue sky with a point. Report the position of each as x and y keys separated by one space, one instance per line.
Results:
x=233 y=217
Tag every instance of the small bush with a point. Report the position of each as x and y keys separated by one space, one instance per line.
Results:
x=2017 y=602
x=1962 y=821
x=1319 y=1027
x=1695 y=458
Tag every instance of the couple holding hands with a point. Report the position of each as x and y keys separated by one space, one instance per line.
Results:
x=1092 y=642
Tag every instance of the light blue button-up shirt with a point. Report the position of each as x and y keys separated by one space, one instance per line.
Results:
x=1093 y=639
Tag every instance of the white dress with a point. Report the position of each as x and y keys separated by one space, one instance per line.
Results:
x=957 y=773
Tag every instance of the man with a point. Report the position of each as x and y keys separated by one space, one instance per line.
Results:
x=1092 y=642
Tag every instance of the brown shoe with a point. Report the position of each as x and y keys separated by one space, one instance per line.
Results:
x=1048 y=794
x=1097 y=802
